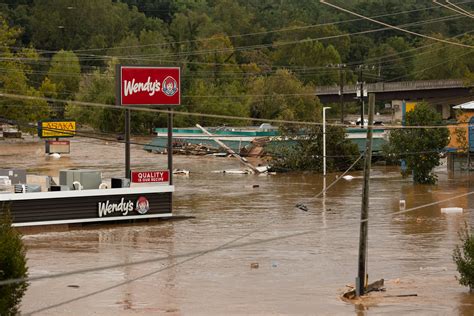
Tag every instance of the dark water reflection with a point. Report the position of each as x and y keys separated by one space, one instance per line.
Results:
x=300 y=275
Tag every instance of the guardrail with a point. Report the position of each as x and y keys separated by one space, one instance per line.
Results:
x=394 y=86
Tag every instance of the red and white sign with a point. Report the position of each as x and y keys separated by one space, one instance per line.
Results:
x=150 y=85
x=150 y=176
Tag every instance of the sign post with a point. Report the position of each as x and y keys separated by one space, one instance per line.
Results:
x=156 y=86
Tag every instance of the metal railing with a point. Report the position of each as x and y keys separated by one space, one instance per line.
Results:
x=395 y=86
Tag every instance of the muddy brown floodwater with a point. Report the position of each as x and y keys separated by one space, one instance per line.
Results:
x=303 y=274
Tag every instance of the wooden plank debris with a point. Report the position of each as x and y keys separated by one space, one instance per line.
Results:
x=229 y=150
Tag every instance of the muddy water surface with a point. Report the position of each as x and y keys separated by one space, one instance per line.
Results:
x=303 y=274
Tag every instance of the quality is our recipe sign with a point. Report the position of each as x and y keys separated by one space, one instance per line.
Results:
x=150 y=85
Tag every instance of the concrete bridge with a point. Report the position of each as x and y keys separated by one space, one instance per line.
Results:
x=441 y=93
x=404 y=90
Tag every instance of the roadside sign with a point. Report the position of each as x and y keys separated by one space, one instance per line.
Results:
x=160 y=176
x=53 y=129
x=150 y=85
x=58 y=146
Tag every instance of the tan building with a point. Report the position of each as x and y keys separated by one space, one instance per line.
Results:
x=462 y=134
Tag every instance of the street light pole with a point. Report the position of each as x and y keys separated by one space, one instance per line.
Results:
x=324 y=149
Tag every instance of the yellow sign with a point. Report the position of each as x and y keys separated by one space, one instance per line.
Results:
x=56 y=129
x=410 y=106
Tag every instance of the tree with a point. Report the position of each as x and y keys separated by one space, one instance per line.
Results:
x=445 y=62
x=303 y=150
x=59 y=24
x=313 y=58
x=463 y=256
x=420 y=147
x=208 y=97
x=14 y=79
x=12 y=265
x=283 y=96
x=65 y=72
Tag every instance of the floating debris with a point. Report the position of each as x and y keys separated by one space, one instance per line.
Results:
x=451 y=210
x=302 y=207
x=402 y=205
x=181 y=172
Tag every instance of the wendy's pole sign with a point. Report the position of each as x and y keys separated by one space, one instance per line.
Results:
x=148 y=86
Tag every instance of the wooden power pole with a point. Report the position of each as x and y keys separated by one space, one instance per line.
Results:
x=361 y=280
x=341 y=91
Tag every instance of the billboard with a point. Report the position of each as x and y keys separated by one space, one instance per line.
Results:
x=53 y=129
x=150 y=85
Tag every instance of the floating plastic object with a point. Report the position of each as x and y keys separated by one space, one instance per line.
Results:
x=348 y=177
x=402 y=204
x=55 y=155
x=451 y=210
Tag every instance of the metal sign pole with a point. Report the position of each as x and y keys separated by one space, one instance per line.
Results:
x=127 y=143
x=170 y=144
x=118 y=101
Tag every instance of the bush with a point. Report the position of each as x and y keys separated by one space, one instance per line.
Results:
x=302 y=150
x=12 y=265
x=463 y=256
x=419 y=147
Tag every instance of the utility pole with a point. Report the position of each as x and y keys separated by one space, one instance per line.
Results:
x=361 y=279
x=324 y=149
x=341 y=90
x=361 y=82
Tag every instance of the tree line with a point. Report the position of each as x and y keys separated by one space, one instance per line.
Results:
x=249 y=58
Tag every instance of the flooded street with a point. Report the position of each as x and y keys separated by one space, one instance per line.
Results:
x=304 y=259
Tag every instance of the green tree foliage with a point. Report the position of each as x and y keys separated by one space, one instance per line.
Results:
x=65 y=73
x=97 y=87
x=14 y=79
x=312 y=57
x=463 y=256
x=400 y=64
x=420 y=147
x=62 y=24
x=303 y=150
x=445 y=62
x=241 y=46
x=283 y=96
x=12 y=265
x=205 y=98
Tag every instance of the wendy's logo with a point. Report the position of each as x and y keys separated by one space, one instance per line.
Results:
x=142 y=205
x=170 y=86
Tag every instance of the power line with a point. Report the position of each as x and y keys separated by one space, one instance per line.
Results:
x=396 y=27
x=196 y=114
x=195 y=255
x=148 y=57
x=454 y=9
x=286 y=29
x=469 y=14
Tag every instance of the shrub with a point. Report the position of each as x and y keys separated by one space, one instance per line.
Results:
x=302 y=150
x=463 y=256
x=12 y=265
x=419 y=147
